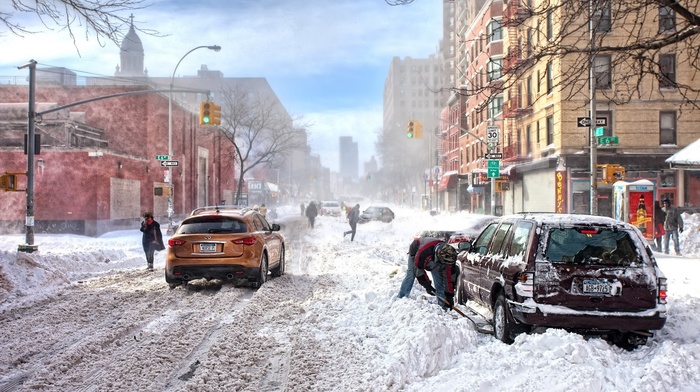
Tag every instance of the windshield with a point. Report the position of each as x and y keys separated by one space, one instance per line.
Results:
x=590 y=246
x=212 y=225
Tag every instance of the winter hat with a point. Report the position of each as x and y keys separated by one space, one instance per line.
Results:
x=446 y=253
x=666 y=200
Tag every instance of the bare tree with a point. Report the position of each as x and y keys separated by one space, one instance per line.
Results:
x=260 y=129
x=105 y=19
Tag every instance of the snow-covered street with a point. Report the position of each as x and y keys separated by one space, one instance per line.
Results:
x=83 y=314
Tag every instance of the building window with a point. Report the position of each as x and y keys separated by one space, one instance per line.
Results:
x=528 y=139
x=601 y=70
x=550 y=130
x=538 y=81
x=495 y=106
x=528 y=98
x=667 y=20
x=550 y=25
x=601 y=18
x=550 y=77
x=493 y=67
x=667 y=128
x=667 y=71
x=538 y=132
x=494 y=31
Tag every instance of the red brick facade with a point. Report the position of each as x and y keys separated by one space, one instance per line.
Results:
x=91 y=190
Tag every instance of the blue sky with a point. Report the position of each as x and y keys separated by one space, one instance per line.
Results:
x=326 y=60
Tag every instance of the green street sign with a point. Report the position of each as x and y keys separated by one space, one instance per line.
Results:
x=599 y=131
x=162 y=157
x=493 y=164
x=493 y=173
x=608 y=140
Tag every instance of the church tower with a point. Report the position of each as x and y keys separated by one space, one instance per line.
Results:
x=131 y=55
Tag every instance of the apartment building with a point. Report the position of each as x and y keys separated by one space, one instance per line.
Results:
x=541 y=105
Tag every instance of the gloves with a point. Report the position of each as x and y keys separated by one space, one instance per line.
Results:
x=430 y=290
x=450 y=299
x=680 y=230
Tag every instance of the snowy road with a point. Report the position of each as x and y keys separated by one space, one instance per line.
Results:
x=84 y=315
x=128 y=331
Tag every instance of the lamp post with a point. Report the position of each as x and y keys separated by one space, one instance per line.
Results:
x=171 y=196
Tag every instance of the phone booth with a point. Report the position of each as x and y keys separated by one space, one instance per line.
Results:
x=634 y=203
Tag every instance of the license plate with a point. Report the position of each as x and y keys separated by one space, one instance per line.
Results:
x=207 y=247
x=596 y=287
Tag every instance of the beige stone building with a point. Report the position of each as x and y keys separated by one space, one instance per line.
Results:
x=544 y=136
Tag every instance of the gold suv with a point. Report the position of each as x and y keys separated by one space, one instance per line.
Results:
x=225 y=242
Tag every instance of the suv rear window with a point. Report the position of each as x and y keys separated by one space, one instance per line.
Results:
x=590 y=246
x=212 y=225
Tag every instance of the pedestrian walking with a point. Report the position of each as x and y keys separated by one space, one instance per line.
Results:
x=311 y=213
x=263 y=210
x=302 y=209
x=353 y=217
x=152 y=238
x=673 y=224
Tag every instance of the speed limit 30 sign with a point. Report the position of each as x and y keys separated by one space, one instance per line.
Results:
x=492 y=133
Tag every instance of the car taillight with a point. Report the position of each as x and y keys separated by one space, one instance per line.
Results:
x=172 y=242
x=525 y=285
x=662 y=290
x=245 y=241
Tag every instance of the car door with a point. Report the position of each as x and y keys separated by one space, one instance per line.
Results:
x=471 y=275
x=272 y=239
x=489 y=267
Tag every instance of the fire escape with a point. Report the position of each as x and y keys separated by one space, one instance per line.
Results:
x=517 y=104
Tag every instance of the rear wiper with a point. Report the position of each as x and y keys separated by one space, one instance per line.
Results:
x=213 y=231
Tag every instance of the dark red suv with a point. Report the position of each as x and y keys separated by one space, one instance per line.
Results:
x=587 y=274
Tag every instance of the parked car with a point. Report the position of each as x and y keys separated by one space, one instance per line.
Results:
x=472 y=227
x=588 y=274
x=225 y=242
x=377 y=213
x=331 y=208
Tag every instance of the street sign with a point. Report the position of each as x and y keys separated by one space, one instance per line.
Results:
x=493 y=173
x=162 y=157
x=493 y=164
x=494 y=155
x=584 y=122
x=169 y=163
x=608 y=140
x=492 y=133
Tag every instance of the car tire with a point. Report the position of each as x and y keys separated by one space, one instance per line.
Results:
x=262 y=272
x=460 y=296
x=502 y=325
x=279 y=271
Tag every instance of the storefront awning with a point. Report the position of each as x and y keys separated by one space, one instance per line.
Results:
x=448 y=180
x=687 y=158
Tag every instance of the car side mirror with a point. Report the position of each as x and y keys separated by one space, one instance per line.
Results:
x=275 y=227
x=464 y=246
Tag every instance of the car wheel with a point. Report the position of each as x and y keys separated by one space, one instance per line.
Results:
x=279 y=271
x=262 y=274
x=502 y=328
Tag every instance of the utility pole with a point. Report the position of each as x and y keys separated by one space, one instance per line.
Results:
x=592 y=122
x=29 y=246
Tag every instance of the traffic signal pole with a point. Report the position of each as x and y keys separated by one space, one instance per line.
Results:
x=29 y=246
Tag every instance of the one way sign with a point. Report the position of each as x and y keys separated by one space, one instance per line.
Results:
x=584 y=122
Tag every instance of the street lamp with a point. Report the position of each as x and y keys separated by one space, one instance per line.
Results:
x=215 y=48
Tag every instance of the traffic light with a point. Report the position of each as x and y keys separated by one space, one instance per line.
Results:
x=419 y=130
x=614 y=173
x=411 y=129
x=205 y=113
x=215 y=114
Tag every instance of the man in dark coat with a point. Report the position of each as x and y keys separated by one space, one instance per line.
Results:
x=353 y=218
x=152 y=238
x=673 y=225
x=311 y=212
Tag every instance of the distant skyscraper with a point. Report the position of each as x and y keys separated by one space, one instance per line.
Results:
x=349 y=158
